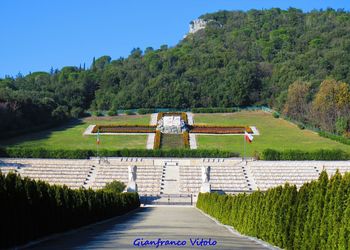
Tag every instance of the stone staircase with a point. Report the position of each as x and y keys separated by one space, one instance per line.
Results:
x=170 y=183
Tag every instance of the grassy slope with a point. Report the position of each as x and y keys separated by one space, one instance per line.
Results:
x=275 y=133
x=71 y=136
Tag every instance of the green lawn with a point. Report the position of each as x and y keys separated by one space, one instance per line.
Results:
x=274 y=133
x=70 y=136
x=172 y=141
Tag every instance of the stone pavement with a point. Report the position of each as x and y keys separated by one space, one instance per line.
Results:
x=181 y=224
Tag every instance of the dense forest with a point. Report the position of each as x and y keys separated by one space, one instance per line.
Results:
x=286 y=59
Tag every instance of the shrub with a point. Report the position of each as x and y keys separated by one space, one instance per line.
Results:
x=276 y=114
x=97 y=113
x=334 y=137
x=144 y=111
x=77 y=112
x=213 y=110
x=129 y=112
x=298 y=155
x=301 y=126
x=342 y=125
x=112 y=112
x=115 y=187
x=34 y=209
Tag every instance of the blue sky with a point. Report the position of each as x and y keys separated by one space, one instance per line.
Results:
x=37 y=35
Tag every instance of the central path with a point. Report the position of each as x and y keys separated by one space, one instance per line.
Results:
x=151 y=223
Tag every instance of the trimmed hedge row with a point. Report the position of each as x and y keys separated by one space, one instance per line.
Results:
x=213 y=110
x=143 y=111
x=17 y=152
x=186 y=138
x=32 y=209
x=157 y=140
x=334 y=137
x=298 y=155
x=315 y=217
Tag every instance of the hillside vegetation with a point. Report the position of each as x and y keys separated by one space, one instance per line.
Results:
x=240 y=58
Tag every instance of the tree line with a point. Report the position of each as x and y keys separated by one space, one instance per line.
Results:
x=314 y=217
x=239 y=59
x=31 y=209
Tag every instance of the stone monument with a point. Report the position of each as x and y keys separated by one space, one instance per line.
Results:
x=132 y=186
x=205 y=187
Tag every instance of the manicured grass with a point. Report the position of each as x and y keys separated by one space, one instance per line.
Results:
x=70 y=136
x=170 y=141
x=274 y=133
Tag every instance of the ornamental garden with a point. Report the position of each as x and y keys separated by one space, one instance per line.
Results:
x=213 y=131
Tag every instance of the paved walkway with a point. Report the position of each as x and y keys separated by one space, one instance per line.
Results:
x=151 y=223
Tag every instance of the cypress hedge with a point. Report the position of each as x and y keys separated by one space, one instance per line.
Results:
x=31 y=209
x=314 y=217
x=298 y=155
x=18 y=152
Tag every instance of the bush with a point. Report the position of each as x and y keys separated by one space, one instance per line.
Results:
x=144 y=111
x=334 y=137
x=17 y=152
x=129 y=112
x=276 y=114
x=314 y=217
x=342 y=125
x=298 y=155
x=301 y=126
x=115 y=187
x=77 y=112
x=97 y=113
x=34 y=209
x=112 y=112
x=213 y=110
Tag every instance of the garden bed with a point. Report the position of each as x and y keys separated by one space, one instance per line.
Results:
x=203 y=129
x=124 y=129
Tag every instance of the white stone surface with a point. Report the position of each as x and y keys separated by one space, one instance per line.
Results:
x=153 y=121
x=150 y=141
x=88 y=130
x=193 y=141
x=171 y=182
x=190 y=118
x=170 y=121
x=255 y=130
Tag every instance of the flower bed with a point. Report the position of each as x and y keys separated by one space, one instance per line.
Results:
x=124 y=129
x=157 y=139
x=203 y=129
x=186 y=138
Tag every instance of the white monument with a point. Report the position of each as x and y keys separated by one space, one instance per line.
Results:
x=132 y=186
x=205 y=187
x=171 y=125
